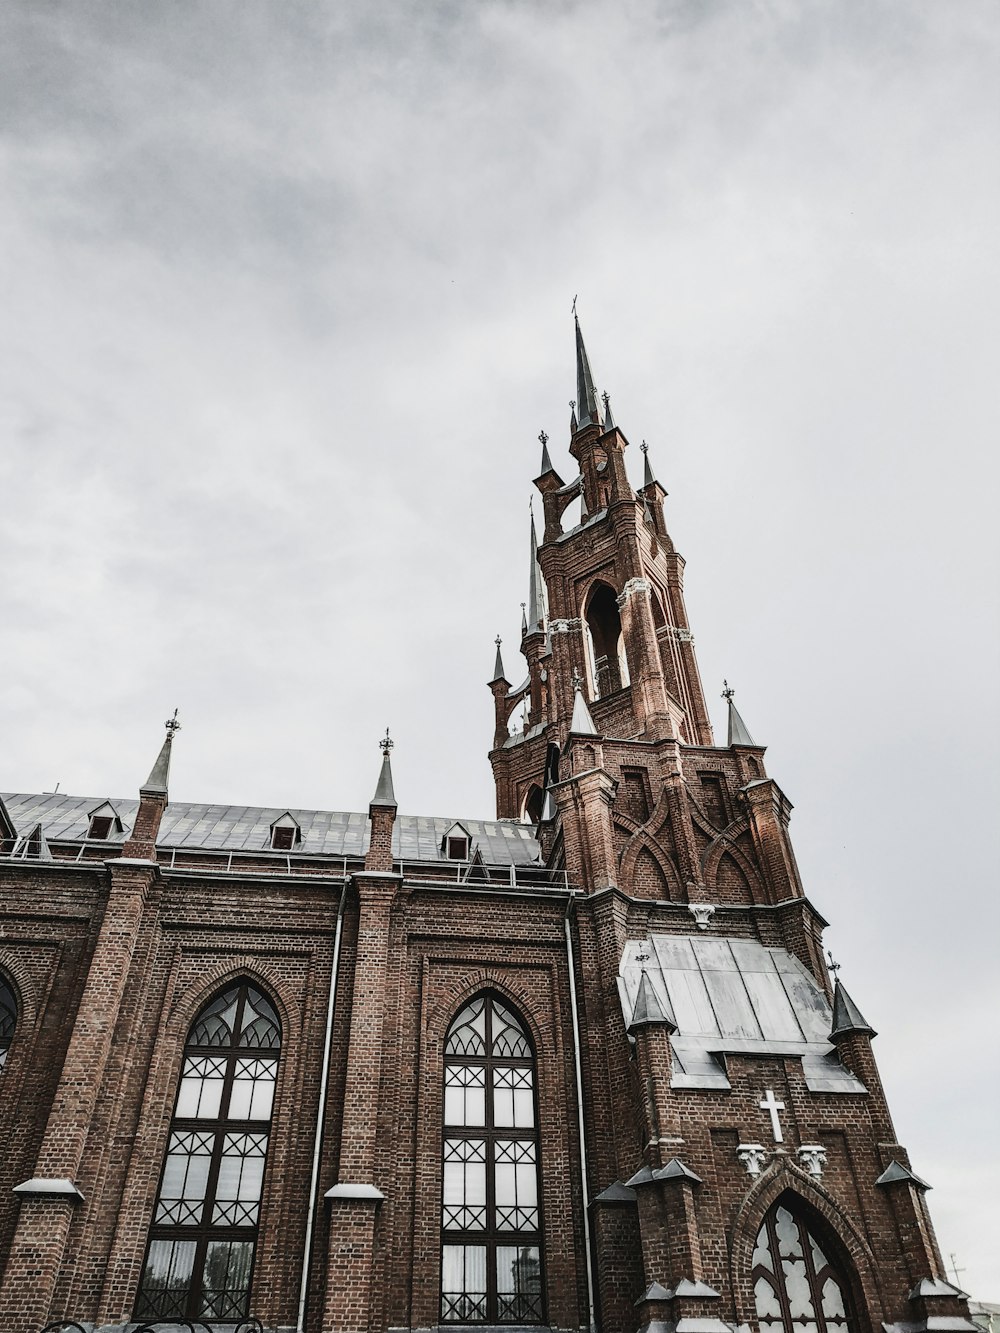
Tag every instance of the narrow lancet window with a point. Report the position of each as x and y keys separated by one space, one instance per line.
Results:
x=608 y=664
x=796 y=1284
x=491 y=1239
x=204 y=1231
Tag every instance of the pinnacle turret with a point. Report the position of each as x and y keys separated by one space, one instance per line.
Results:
x=156 y=783
x=536 y=587
x=847 y=1017
x=586 y=394
x=498 y=671
x=739 y=734
x=384 y=794
x=581 y=724
x=648 y=479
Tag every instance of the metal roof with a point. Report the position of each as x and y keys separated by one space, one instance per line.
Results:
x=734 y=996
x=245 y=828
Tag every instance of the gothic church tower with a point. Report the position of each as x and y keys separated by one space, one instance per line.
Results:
x=746 y=1167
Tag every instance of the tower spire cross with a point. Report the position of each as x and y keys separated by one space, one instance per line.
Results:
x=772 y=1107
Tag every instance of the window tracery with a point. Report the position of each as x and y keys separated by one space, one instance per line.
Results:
x=797 y=1288
x=491 y=1256
x=204 y=1231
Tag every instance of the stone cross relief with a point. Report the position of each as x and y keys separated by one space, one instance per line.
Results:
x=773 y=1107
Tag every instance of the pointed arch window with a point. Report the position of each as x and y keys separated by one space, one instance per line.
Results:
x=491 y=1237
x=8 y=1019
x=797 y=1285
x=204 y=1231
x=605 y=643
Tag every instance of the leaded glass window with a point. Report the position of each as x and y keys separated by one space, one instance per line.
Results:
x=8 y=1020
x=204 y=1231
x=491 y=1238
x=796 y=1286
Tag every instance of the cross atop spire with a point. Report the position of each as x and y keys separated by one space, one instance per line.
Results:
x=586 y=394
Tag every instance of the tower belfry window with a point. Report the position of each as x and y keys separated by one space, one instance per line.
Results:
x=491 y=1240
x=608 y=664
x=204 y=1230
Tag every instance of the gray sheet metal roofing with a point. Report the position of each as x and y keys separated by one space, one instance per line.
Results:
x=242 y=828
x=735 y=996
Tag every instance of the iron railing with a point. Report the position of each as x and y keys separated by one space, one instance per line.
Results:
x=249 y=1325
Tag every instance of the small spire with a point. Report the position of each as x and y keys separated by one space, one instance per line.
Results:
x=582 y=724
x=536 y=586
x=647 y=472
x=609 y=421
x=847 y=1017
x=546 y=466
x=498 y=671
x=573 y=427
x=586 y=394
x=156 y=783
x=648 y=1011
x=384 y=794
x=524 y=620
x=738 y=733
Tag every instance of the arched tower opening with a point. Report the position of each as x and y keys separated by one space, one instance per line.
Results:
x=608 y=663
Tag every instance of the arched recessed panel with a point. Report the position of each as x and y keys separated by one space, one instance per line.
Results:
x=491 y=1242
x=8 y=1019
x=204 y=1231
x=798 y=1284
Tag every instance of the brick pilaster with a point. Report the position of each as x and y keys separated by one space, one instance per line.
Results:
x=38 y=1249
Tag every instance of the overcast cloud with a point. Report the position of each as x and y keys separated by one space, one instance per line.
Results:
x=285 y=302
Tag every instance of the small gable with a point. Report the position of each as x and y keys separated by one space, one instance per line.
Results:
x=32 y=846
x=286 y=833
x=104 y=821
x=456 y=844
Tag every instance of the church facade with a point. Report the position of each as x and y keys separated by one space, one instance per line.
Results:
x=581 y=1067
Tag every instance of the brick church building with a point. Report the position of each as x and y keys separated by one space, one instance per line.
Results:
x=581 y=1067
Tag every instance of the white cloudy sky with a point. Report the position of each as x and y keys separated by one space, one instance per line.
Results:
x=285 y=302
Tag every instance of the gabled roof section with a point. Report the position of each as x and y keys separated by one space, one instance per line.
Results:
x=234 y=828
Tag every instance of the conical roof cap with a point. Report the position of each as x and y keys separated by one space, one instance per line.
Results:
x=156 y=783
x=586 y=394
x=847 y=1017
x=581 y=724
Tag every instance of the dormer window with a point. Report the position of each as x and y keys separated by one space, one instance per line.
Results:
x=285 y=833
x=456 y=843
x=103 y=822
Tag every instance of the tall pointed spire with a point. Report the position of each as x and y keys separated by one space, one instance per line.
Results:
x=498 y=671
x=384 y=794
x=156 y=783
x=738 y=732
x=586 y=394
x=536 y=586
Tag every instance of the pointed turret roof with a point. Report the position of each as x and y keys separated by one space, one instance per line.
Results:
x=536 y=587
x=156 y=783
x=847 y=1017
x=384 y=794
x=498 y=671
x=581 y=724
x=648 y=1010
x=586 y=394
x=609 y=421
x=648 y=479
x=546 y=464
x=739 y=733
